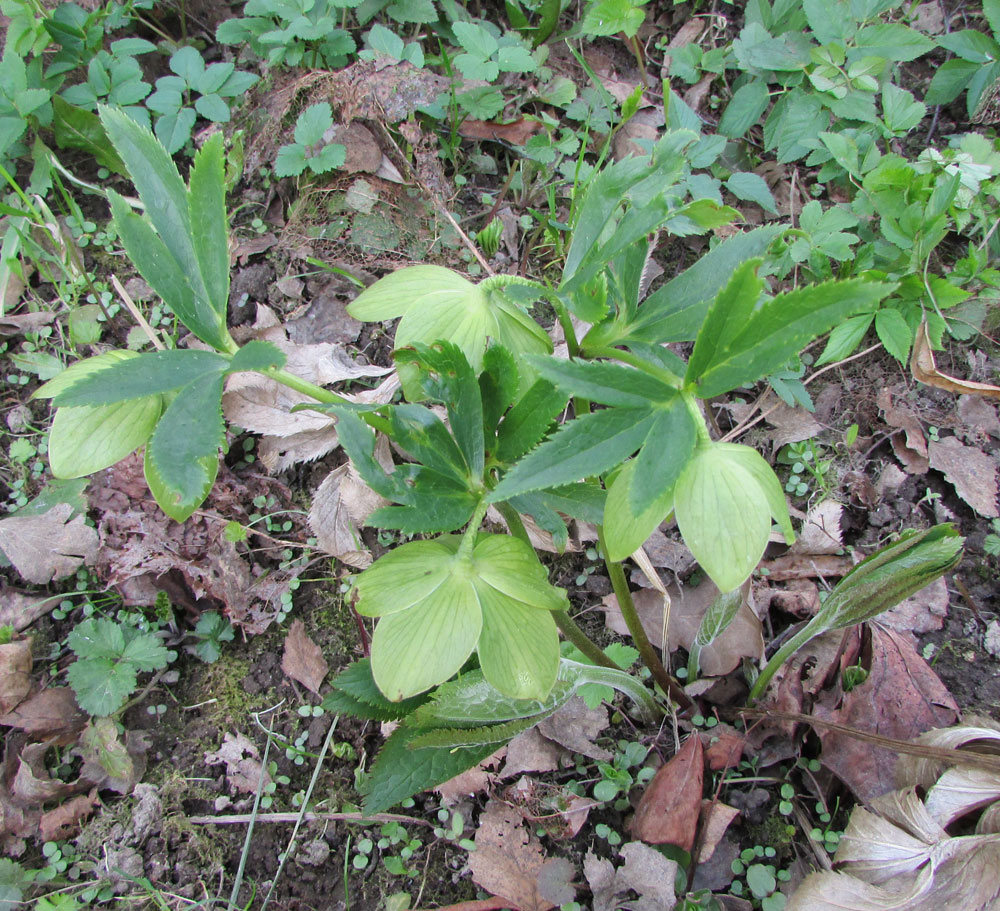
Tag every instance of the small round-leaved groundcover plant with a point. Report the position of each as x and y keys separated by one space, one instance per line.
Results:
x=643 y=453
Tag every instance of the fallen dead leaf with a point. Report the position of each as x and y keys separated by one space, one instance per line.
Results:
x=791 y=425
x=901 y=698
x=107 y=761
x=49 y=546
x=64 y=821
x=807 y=566
x=52 y=712
x=575 y=727
x=820 y=532
x=669 y=807
x=923 y=612
x=979 y=418
x=303 y=659
x=252 y=247
x=913 y=453
x=15 y=673
x=635 y=136
x=529 y=751
x=925 y=370
x=243 y=768
x=363 y=154
x=508 y=860
x=645 y=871
x=970 y=471
x=385 y=91
x=19 y=609
x=19 y=323
x=471 y=781
x=516 y=132
x=723 y=747
x=715 y=818
x=32 y=785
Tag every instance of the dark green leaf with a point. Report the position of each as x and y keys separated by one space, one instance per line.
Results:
x=949 y=79
x=498 y=384
x=76 y=128
x=604 y=382
x=529 y=420
x=187 y=441
x=744 y=109
x=664 y=454
x=585 y=447
x=147 y=374
x=257 y=355
x=798 y=116
x=477 y=736
x=676 y=311
x=583 y=500
x=210 y=228
x=781 y=327
x=400 y=772
x=893 y=41
x=355 y=683
x=435 y=503
x=425 y=437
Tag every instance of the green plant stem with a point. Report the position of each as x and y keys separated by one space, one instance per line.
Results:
x=514 y=523
x=566 y=322
x=633 y=360
x=304 y=386
x=569 y=628
x=631 y=616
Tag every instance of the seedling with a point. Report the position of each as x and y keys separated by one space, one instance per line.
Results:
x=308 y=150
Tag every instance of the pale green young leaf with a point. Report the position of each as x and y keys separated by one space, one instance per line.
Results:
x=210 y=227
x=148 y=374
x=753 y=188
x=90 y=438
x=414 y=287
x=187 y=440
x=722 y=515
x=780 y=328
x=626 y=528
x=168 y=499
x=290 y=160
x=144 y=651
x=418 y=648
x=586 y=446
x=101 y=685
x=511 y=567
x=755 y=465
x=991 y=9
x=97 y=637
x=519 y=644
x=312 y=123
x=893 y=41
x=405 y=576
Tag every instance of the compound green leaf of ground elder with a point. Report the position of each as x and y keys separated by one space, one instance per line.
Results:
x=723 y=515
x=435 y=601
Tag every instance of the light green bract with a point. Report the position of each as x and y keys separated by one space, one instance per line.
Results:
x=438 y=303
x=438 y=602
x=724 y=501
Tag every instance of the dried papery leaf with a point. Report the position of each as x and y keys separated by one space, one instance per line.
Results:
x=243 y=767
x=923 y=612
x=64 y=821
x=960 y=791
x=303 y=659
x=807 y=566
x=19 y=609
x=875 y=850
x=517 y=132
x=840 y=892
x=925 y=370
x=650 y=874
x=50 y=713
x=791 y=425
x=32 y=785
x=49 y=546
x=531 y=752
x=508 y=860
x=905 y=809
x=971 y=472
x=15 y=673
x=669 y=807
x=471 y=781
x=716 y=817
x=576 y=727
x=924 y=772
x=820 y=532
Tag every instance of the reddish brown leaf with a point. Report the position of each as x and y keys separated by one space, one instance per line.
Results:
x=508 y=860
x=971 y=472
x=913 y=452
x=516 y=132
x=901 y=698
x=669 y=808
x=303 y=659
x=51 y=712
x=723 y=747
x=715 y=819
x=15 y=673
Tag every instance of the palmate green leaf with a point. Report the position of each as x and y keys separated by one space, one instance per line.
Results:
x=626 y=527
x=97 y=638
x=676 y=310
x=587 y=446
x=604 y=382
x=101 y=685
x=498 y=385
x=723 y=513
x=434 y=602
x=664 y=453
x=876 y=584
x=424 y=436
x=445 y=376
x=777 y=330
x=477 y=736
x=434 y=503
x=148 y=374
x=528 y=421
x=183 y=452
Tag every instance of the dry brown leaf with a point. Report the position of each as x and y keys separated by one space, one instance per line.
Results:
x=979 y=417
x=516 y=132
x=19 y=323
x=108 y=762
x=970 y=471
x=19 y=609
x=32 y=785
x=913 y=453
x=635 y=136
x=49 y=546
x=669 y=807
x=645 y=871
x=923 y=612
x=508 y=859
x=243 y=768
x=64 y=821
x=791 y=425
x=901 y=698
x=820 y=532
x=723 y=746
x=303 y=659
x=50 y=713
x=806 y=566
x=715 y=818
x=247 y=248
x=340 y=506
x=471 y=781
x=384 y=91
x=363 y=154
x=529 y=751
x=925 y=370
x=15 y=673
x=575 y=727
x=695 y=96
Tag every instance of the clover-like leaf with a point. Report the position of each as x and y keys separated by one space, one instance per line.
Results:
x=439 y=601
